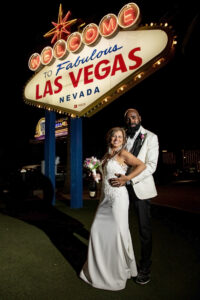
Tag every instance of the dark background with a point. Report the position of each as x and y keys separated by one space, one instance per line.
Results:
x=167 y=100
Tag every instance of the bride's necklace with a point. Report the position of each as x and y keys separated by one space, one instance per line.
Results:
x=113 y=152
x=110 y=154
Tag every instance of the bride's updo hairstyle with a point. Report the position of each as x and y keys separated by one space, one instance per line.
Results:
x=112 y=131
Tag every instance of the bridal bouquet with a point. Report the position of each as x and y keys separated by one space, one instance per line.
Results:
x=92 y=163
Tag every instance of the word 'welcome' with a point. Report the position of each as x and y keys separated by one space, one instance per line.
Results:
x=127 y=17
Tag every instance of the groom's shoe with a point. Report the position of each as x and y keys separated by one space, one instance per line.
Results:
x=142 y=278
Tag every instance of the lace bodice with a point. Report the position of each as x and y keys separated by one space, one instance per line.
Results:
x=111 y=167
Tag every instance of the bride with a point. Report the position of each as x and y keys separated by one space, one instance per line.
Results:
x=111 y=259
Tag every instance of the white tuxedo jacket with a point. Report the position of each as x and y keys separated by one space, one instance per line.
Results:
x=143 y=184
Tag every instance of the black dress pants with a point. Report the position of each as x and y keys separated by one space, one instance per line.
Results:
x=143 y=211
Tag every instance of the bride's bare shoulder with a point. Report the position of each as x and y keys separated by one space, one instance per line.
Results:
x=124 y=152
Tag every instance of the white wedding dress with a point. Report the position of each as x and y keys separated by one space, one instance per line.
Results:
x=111 y=259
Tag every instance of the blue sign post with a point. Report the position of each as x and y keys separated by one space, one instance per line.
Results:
x=76 y=165
x=49 y=150
x=76 y=168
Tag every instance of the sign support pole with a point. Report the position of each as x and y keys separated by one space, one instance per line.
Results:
x=76 y=180
x=49 y=150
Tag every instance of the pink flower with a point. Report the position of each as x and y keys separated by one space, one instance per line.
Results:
x=92 y=164
x=142 y=136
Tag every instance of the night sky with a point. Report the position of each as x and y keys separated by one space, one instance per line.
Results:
x=167 y=100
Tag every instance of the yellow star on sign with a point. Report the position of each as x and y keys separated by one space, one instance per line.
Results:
x=62 y=27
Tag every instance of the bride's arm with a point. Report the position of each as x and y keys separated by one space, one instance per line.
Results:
x=132 y=161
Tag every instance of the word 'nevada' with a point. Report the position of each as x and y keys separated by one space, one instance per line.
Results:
x=127 y=17
x=87 y=74
x=81 y=94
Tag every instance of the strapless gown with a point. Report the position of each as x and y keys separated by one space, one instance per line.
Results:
x=111 y=259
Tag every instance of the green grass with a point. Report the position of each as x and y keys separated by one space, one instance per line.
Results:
x=40 y=255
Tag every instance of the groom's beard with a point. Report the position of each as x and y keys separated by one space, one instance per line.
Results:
x=132 y=130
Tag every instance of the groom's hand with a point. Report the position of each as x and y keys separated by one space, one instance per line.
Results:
x=119 y=181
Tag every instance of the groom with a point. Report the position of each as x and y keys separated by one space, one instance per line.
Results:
x=143 y=144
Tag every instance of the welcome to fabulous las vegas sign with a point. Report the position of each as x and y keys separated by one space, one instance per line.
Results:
x=90 y=69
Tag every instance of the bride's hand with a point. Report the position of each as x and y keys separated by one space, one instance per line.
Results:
x=96 y=177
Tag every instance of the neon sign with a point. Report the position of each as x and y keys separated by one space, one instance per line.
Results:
x=90 y=69
x=61 y=128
